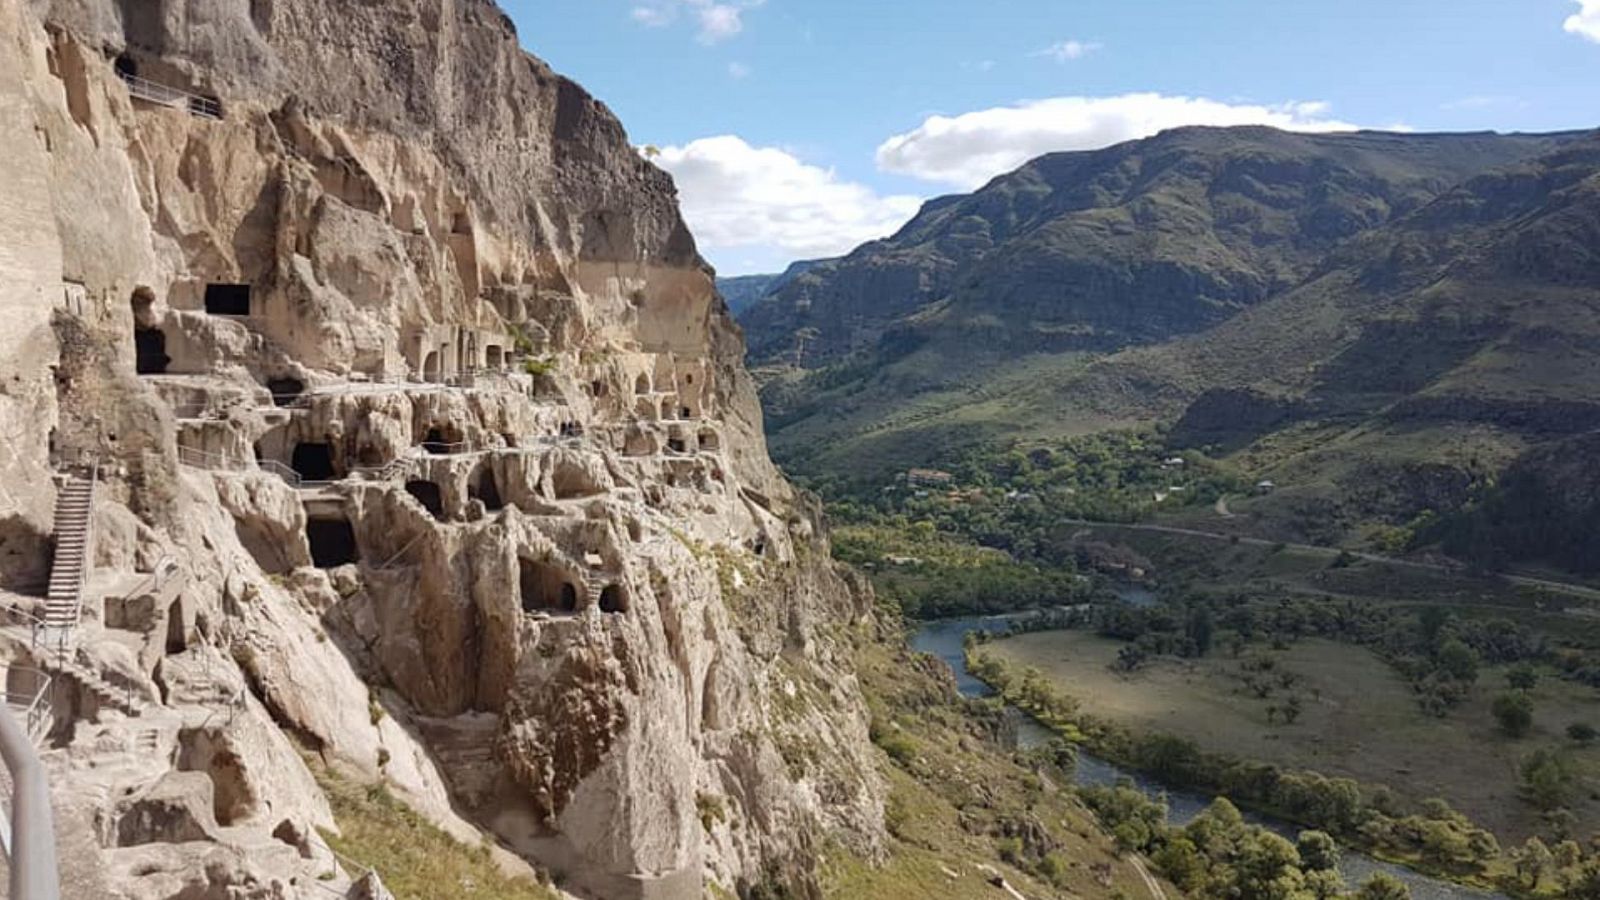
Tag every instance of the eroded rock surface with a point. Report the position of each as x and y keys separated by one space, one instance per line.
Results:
x=423 y=449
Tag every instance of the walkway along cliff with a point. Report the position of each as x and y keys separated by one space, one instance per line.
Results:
x=419 y=444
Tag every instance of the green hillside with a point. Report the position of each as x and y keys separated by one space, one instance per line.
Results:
x=1408 y=367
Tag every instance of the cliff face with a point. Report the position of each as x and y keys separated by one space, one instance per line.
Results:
x=423 y=442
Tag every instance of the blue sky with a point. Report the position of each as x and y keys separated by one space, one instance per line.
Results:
x=801 y=128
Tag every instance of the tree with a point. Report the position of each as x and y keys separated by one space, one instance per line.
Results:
x=1458 y=661
x=1546 y=779
x=1324 y=884
x=1181 y=861
x=1383 y=886
x=1513 y=710
x=1292 y=709
x=1522 y=677
x=1318 y=850
x=1130 y=658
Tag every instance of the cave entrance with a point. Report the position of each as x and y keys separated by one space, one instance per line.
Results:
x=127 y=67
x=285 y=391
x=177 y=639
x=613 y=599
x=677 y=445
x=228 y=299
x=313 y=462
x=494 y=357
x=429 y=495
x=333 y=543
x=150 y=351
x=545 y=589
x=430 y=367
x=442 y=441
x=710 y=441
x=642 y=385
x=487 y=491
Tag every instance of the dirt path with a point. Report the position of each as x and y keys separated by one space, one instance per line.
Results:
x=1222 y=507
x=1156 y=891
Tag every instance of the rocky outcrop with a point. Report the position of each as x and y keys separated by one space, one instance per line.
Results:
x=425 y=451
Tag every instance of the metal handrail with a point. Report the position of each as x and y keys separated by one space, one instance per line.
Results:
x=272 y=466
x=31 y=838
x=207 y=459
x=165 y=568
x=387 y=472
x=32 y=706
x=389 y=564
x=167 y=95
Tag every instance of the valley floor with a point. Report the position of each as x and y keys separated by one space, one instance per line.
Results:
x=1360 y=720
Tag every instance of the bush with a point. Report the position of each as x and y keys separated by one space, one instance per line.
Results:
x=1582 y=732
x=1546 y=780
x=1513 y=712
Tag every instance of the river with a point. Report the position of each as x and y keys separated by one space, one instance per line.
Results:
x=944 y=638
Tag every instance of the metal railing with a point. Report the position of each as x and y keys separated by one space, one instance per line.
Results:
x=29 y=700
x=395 y=469
x=30 y=838
x=165 y=568
x=201 y=459
x=393 y=562
x=166 y=95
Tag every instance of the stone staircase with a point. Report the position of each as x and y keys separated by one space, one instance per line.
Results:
x=106 y=694
x=74 y=533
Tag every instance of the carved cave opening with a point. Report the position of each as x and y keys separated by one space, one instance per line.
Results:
x=430 y=496
x=313 y=462
x=613 y=599
x=285 y=391
x=487 y=490
x=150 y=351
x=333 y=543
x=546 y=589
x=228 y=299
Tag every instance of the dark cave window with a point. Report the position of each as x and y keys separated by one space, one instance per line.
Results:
x=228 y=299
x=313 y=462
x=613 y=600
x=545 y=589
x=150 y=351
x=333 y=543
x=429 y=495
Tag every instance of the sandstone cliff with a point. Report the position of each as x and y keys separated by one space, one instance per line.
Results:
x=421 y=444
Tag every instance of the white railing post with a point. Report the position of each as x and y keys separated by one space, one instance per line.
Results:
x=32 y=852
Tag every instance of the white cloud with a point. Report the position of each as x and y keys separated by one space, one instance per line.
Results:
x=1067 y=51
x=738 y=196
x=717 y=21
x=968 y=150
x=738 y=71
x=1586 y=21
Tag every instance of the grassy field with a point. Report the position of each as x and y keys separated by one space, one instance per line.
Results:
x=1360 y=721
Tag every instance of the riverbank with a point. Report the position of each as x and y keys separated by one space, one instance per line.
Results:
x=1441 y=844
x=944 y=639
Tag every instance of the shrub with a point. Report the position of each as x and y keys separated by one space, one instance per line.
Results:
x=1582 y=732
x=1513 y=711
